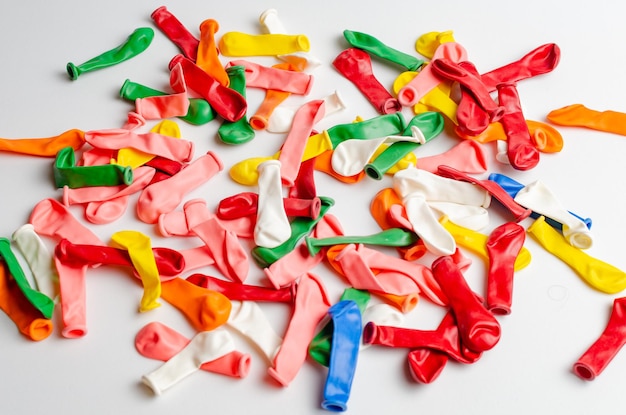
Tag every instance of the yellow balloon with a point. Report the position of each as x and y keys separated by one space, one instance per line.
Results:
x=245 y=172
x=244 y=44
x=600 y=275
x=140 y=251
x=427 y=44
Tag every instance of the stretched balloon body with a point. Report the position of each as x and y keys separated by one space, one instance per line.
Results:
x=577 y=115
x=268 y=44
x=45 y=146
x=137 y=42
x=377 y=48
x=387 y=237
x=208 y=54
x=176 y=32
x=228 y=103
x=356 y=65
x=346 y=318
x=67 y=173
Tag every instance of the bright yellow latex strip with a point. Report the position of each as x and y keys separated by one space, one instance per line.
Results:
x=545 y=137
x=139 y=249
x=437 y=99
x=135 y=158
x=600 y=275
x=244 y=44
x=427 y=44
x=476 y=242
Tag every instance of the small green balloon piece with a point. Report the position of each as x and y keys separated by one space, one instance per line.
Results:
x=137 y=42
x=66 y=173
x=388 y=237
x=39 y=300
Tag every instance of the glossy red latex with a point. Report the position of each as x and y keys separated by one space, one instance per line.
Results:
x=304 y=185
x=246 y=203
x=471 y=117
x=169 y=262
x=597 y=357
x=538 y=61
x=425 y=365
x=503 y=245
x=444 y=339
x=478 y=328
x=237 y=291
x=176 y=32
x=356 y=65
x=521 y=152
x=164 y=165
x=471 y=82
x=227 y=102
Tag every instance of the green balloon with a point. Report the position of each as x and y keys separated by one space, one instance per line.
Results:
x=39 y=300
x=430 y=123
x=388 y=237
x=66 y=173
x=380 y=126
x=300 y=227
x=137 y=42
x=375 y=47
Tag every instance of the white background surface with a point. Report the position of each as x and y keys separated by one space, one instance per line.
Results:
x=555 y=315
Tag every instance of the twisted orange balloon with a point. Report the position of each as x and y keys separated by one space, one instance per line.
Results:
x=44 y=147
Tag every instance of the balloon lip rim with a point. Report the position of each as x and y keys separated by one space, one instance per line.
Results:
x=72 y=71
